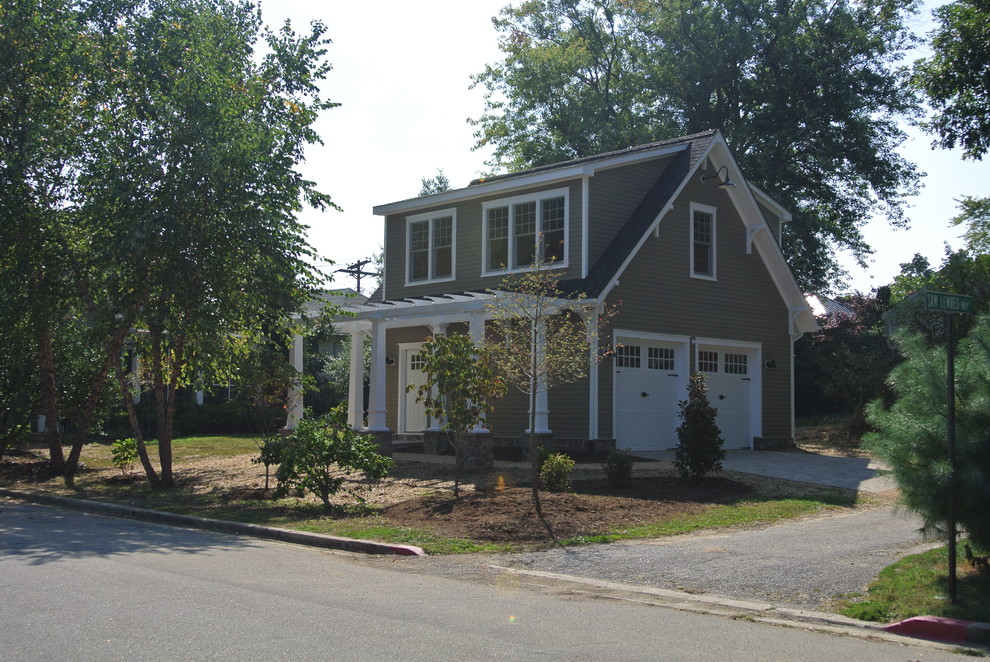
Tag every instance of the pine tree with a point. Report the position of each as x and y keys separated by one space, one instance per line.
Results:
x=700 y=451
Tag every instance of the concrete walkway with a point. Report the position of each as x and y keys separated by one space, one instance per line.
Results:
x=853 y=473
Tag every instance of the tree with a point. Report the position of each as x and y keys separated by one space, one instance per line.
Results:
x=436 y=184
x=975 y=214
x=321 y=453
x=699 y=449
x=806 y=93
x=911 y=435
x=461 y=387
x=956 y=77
x=199 y=147
x=540 y=340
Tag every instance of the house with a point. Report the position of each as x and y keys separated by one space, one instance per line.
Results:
x=671 y=229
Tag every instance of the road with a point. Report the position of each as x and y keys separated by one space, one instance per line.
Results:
x=83 y=587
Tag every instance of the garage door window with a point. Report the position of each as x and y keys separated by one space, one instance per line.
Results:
x=660 y=358
x=736 y=364
x=708 y=361
x=627 y=356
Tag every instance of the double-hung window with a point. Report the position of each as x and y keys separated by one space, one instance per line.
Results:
x=520 y=231
x=430 y=246
x=702 y=241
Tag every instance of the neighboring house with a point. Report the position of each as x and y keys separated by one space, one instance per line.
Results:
x=823 y=306
x=671 y=232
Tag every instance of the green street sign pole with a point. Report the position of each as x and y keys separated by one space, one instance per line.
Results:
x=951 y=379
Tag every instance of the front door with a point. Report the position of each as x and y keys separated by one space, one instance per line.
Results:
x=412 y=417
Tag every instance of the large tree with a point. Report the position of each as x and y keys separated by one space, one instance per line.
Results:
x=807 y=93
x=956 y=77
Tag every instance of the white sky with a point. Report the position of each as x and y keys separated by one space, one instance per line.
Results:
x=401 y=72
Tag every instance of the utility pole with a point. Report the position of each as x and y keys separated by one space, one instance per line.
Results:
x=357 y=271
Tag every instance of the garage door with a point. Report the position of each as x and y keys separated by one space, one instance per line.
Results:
x=649 y=378
x=730 y=391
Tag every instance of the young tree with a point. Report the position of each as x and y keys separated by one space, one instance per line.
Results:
x=461 y=386
x=540 y=340
x=699 y=451
x=808 y=94
x=912 y=435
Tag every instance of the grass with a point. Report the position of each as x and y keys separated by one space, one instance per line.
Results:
x=918 y=585
x=184 y=449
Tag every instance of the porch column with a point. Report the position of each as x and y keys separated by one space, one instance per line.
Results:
x=591 y=323
x=435 y=425
x=294 y=401
x=476 y=330
x=541 y=401
x=376 y=398
x=355 y=389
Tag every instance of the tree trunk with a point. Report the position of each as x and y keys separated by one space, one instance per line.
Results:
x=49 y=401
x=132 y=416
x=162 y=402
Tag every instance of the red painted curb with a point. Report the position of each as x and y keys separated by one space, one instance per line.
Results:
x=950 y=630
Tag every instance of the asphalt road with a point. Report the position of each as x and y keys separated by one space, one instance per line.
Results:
x=83 y=587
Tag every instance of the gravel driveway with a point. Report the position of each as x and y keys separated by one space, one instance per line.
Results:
x=802 y=563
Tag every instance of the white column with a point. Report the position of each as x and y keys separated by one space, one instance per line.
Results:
x=476 y=331
x=355 y=389
x=541 y=401
x=294 y=402
x=591 y=323
x=376 y=396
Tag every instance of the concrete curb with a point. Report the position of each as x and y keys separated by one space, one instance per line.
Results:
x=216 y=526
x=951 y=630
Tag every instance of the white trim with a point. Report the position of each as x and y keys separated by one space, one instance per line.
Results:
x=696 y=207
x=538 y=197
x=403 y=349
x=430 y=217
x=585 y=223
x=783 y=214
x=544 y=177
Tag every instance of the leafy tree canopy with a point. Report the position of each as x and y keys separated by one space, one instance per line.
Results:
x=807 y=93
x=956 y=77
x=436 y=184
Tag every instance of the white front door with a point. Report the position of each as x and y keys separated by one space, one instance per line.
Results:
x=650 y=376
x=412 y=414
x=728 y=373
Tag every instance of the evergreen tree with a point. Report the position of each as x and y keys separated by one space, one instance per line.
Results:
x=700 y=451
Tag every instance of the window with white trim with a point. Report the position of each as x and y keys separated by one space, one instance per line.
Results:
x=736 y=364
x=702 y=241
x=660 y=358
x=430 y=246
x=707 y=361
x=523 y=230
x=627 y=356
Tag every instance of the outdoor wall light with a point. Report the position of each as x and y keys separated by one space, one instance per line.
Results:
x=389 y=360
x=722 y=183
x=770 y=364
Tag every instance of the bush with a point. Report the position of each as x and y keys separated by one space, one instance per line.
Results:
x=618 y=466
x=321 y=453
x=555 y=474
x=123 y=453
x=700 y=451
x=270 y=453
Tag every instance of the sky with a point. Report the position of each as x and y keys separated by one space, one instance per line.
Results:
x=401 y=72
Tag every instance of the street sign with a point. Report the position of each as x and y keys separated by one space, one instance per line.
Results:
x=949 y=303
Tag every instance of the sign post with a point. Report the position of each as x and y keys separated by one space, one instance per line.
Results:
x=951 y=304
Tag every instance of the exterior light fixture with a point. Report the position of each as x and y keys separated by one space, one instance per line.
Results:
x=722 y=183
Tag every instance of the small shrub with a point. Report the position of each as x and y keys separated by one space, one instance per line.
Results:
x=555 y=474
x=700 y=450
x=123 y=453
x=321 y=453
x=618 y=466
x=270 y=453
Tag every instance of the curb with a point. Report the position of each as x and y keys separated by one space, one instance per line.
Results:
x=217 y=526
x=951 y=630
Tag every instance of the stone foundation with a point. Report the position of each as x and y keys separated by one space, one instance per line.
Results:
x=384 y=439
x=475 y=454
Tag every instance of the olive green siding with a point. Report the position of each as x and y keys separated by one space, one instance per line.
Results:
x=773 y=222
x=658 y=295
x=468 y=250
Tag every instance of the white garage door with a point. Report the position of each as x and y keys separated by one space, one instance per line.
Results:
x=730 y=390
x=650 y=377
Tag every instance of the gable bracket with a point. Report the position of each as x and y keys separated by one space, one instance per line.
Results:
x=751 y=232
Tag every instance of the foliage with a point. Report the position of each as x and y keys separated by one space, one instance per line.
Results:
x=975 y=214
x=699 y=451
x=320 y=453
x=844 y=365
x=333 y=372
x=270 y=452
x=618 y=467
x=912 y=434
x=555 y=474
x=123 y=453
x=807 y=94
x=956 y=77
x=436 y=184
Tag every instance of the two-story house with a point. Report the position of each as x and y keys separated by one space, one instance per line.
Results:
x=671 y=229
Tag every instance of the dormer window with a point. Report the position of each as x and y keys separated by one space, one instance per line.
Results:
x=430 y=246
x=520 y=231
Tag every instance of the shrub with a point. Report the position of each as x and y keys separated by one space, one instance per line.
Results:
x=618 y=466
x=700 y=451
x=555 y=474
x=321 y=453
x=270 y=453
x=123 y=453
